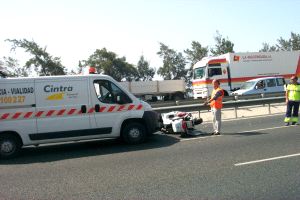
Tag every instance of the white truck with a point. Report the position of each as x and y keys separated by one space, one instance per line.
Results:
x=54 y=109
x=233 y=69
x=150 y=90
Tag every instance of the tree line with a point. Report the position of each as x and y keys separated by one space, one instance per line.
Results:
x=176 y=65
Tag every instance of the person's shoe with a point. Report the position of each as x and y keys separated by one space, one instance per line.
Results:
x=217 y=133
x=287 y=124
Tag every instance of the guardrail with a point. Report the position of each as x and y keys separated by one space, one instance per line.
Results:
x=228 y=104
x=228 y=98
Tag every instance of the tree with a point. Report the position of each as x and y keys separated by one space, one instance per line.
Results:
x=145 y=73
x=173 y=63
x=12 y=67
x=41 y=62
x=194 y=55
x=268 y=48
x=108 y=63
x=222 y=45
x=291 y=44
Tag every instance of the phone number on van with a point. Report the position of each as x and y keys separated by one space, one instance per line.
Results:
x=12 y=99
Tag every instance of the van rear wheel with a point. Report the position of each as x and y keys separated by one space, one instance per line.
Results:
x=134 y=133
x=10 y=146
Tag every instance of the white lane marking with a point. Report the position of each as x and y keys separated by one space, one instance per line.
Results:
x=199 y=138
x=263 y=129
x=267 y=159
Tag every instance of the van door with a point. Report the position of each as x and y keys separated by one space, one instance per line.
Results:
x=110 y=106
x=61 y=105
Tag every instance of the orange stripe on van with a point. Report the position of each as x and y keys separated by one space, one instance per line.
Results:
x=39 y=113
x=111 y=108
x=139 y=107
x=28 y=115
x=130 y=107
x=16 y=115
x=50 y=112
x=71 y=111
x=102 y=108
x=61 y=112
x=5 y=116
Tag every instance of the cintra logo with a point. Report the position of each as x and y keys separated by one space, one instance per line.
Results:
x=57 y=96
x=51 y=88
x=58 y=90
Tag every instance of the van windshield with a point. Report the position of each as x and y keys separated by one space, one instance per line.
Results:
x=247 y=85
x=199 y=73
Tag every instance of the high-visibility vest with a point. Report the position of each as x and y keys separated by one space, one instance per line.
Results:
x=293 y=92
x=218 y=104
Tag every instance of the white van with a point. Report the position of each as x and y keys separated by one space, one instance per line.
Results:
x=42 y=110
x=261 y=86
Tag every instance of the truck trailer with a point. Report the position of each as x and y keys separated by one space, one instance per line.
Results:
x=233 y=69
x=150 y=90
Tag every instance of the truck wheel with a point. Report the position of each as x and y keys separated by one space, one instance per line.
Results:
x=10 y=146
x=134 y=133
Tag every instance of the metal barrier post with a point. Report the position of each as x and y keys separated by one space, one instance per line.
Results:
x=235 y=112
x=269 y=108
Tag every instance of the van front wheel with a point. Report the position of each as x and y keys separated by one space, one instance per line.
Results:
x=10 y=146
x=134 y=133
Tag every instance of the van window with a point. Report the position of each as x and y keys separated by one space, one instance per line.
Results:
x=280 y=81
x=271 y=82
x=108 y=92
x=214 y=72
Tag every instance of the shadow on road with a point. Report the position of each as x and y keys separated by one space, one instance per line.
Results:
x=65 y=151
x=250 y=133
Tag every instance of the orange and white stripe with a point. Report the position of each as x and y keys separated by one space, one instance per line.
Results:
x=66 y=112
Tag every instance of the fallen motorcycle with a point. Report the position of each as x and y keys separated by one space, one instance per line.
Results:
x=182 y=123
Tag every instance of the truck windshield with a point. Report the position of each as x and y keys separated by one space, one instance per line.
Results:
x=199 y=73
x=247 y=85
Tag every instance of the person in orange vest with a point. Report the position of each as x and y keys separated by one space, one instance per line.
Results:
x=216 y=104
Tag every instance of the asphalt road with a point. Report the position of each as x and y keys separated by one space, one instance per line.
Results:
x=254 y=158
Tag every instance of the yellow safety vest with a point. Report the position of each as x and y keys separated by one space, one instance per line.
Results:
x=293 y=92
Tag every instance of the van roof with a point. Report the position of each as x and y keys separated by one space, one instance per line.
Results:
x=56 y=77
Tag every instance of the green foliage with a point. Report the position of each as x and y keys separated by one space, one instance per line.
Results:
x=41 y=62
x=12 y=68
x=222 y=45
x=196 y=53
x=267 y=48
x=145 y=73
x=173 y=63
x=108 y=63
x=291 y=44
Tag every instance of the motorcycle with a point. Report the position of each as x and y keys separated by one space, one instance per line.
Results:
x=182 y=123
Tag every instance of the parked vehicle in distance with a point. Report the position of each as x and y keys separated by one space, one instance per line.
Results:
x=261 y=86
x=233 y=69
x=151 y=90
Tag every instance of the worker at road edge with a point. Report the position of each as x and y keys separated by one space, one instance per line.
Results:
x=292 y=96
x=216 y=105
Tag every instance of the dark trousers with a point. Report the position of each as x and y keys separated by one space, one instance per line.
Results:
x=292 y=106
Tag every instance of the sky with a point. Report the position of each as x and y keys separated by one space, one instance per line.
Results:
x=74 y=29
